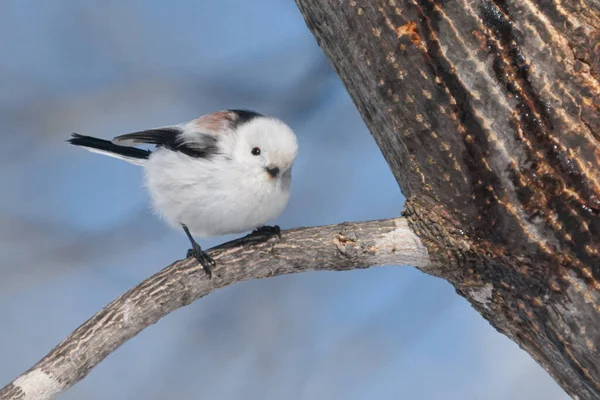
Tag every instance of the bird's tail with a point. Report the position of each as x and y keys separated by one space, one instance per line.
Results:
x=130 y=154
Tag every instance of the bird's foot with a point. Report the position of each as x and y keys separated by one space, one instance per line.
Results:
x=268 y=231
x=204 y=259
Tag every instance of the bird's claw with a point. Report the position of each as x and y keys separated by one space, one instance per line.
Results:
x=204 y=259
x=268 y=230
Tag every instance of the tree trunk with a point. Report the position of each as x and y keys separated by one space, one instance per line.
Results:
x=487 y=112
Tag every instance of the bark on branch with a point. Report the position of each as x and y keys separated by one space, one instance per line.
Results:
x=339 y=247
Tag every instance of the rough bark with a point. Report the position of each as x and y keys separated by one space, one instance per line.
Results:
x=487 y=112
x=334 y=247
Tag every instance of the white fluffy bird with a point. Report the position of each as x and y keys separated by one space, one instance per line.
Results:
x=225 y=172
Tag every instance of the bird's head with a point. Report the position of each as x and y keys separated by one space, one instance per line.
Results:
x=266 y=145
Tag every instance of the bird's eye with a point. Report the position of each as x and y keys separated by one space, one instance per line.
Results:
x=256 y=151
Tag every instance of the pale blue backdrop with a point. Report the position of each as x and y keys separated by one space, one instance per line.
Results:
x=75 y=230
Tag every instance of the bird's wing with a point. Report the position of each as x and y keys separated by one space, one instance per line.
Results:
x=157 y=136
x=198 y=138
x=193 y=144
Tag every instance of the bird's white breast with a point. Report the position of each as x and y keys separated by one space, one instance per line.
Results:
x=212 y=197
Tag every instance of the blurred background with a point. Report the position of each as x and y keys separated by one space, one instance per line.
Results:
x=76 y=230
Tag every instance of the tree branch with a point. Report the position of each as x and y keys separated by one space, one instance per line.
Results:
x=338 y=247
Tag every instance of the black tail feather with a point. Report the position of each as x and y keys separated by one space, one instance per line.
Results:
x=108 y=146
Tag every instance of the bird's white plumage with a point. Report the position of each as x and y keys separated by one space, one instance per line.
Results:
x=230 y=192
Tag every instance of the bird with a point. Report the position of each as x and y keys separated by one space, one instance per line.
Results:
x=226 y=172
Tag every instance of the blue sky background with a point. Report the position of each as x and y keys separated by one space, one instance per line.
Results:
x=76 y=231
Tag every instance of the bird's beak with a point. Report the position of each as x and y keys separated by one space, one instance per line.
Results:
x=273 y=171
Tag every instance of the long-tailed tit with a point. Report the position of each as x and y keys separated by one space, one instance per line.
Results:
x=225 y=172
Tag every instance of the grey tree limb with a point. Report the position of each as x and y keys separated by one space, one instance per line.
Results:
x=338 y=247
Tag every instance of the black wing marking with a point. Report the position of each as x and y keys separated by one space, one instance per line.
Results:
x=243 y=116
x=157 y=136
x=203 y=145
x=108 y=147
